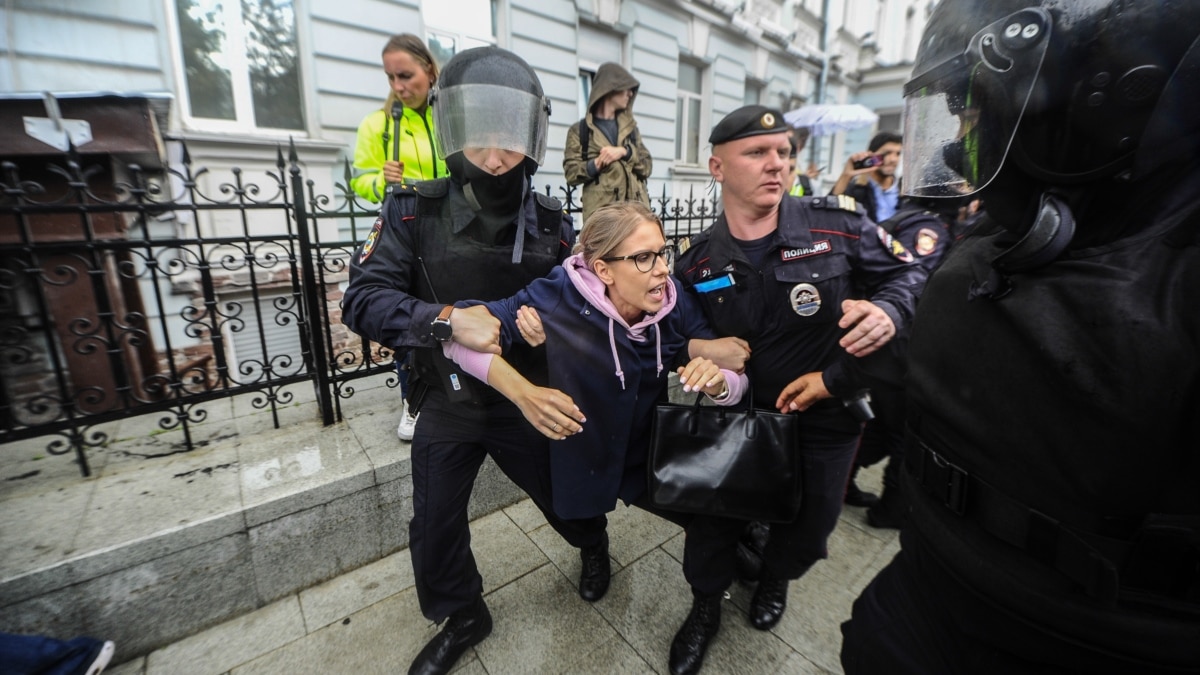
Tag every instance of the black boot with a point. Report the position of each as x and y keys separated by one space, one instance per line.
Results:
x=700 y=627
x=856 y=496
x=750 y=551
x=890 y=511
x=596 y=570
x=768 y=603
x=465 y=628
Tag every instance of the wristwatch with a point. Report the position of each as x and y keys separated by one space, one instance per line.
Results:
x=440 y=328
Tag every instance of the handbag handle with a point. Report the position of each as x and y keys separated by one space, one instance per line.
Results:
x=747 y=401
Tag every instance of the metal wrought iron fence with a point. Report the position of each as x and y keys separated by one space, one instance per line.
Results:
x=125 y=292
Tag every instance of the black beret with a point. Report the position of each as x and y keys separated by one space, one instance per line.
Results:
x=750 y=120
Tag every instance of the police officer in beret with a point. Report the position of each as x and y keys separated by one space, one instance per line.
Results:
x=778 y=274
x=481 y=233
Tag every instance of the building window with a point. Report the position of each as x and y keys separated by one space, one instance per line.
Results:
x=890 y=121
x=687 y=113
x=241 y=63
x=585 y=90
x=454 y=26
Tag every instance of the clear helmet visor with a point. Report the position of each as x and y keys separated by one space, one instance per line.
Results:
x=961 y=115
x=490 y=116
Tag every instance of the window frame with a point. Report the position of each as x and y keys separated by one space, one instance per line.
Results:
x=682 y=118
x=460 y=38
x=244 y=122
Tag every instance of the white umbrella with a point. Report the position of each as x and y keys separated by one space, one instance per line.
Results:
x=829 y=118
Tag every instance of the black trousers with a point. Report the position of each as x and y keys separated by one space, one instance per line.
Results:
x=709 y=560
x=449 y=446
x=915 y=619
x=827 y=452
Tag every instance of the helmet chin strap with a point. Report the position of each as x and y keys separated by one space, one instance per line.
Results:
x=1046 y=239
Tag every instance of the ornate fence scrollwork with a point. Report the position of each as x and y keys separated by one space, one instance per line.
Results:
x=126 y=293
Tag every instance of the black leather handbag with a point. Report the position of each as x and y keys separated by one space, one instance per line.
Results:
x=725 y=461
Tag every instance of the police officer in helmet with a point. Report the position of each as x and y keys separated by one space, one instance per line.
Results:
x=1053 y=462
x=482 y=233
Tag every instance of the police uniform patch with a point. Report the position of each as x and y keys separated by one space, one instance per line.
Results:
x=843 y=202
x=683 y=245
x=805 y=299
x=894 y=246
x=927 y=240
x=368 y=246
x=818 y=247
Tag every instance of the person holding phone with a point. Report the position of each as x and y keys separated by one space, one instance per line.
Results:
x=870 y=176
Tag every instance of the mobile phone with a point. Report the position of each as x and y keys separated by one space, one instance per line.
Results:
x=867 y=162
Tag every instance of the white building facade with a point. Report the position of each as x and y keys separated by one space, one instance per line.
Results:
x=245 y=75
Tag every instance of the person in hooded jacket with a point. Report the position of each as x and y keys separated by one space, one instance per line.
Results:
x=604 y=152
x=614 y=322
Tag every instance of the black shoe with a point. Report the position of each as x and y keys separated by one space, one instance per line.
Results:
x=596 y=571
x=768 y=603
x=857 y=497
x=465 y=628
x=700 y=627
x=748 y=563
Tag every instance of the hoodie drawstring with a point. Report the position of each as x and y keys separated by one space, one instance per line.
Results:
x=657 y=349
x=612 y=344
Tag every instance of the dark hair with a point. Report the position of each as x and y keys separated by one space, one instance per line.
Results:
x=882 y=138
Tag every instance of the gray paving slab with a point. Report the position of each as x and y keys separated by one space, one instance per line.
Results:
x=381 y=639
x=367 y=620
x=232 y=643
x=344 y=595
x=502 y=551
x=540 y=625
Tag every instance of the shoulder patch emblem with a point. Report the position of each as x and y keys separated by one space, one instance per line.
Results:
x=893 y=246
x=372 y=240
x=683 y=245
x=927 y=240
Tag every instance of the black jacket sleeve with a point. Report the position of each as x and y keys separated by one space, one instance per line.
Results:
x=377 y=304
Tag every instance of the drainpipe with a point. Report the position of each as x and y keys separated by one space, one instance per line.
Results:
x=814 y=147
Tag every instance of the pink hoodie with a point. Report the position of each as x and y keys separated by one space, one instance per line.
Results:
x=592 y=288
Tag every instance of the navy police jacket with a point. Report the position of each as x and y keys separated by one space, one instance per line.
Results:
x=613 y=379
x=393 y=299
x=823 y=250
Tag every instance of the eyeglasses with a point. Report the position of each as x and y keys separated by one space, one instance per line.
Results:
x=646 y=260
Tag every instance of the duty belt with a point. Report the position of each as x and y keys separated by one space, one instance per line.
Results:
x=1103 y=566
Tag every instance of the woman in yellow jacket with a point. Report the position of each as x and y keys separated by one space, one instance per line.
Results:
x=411 y=71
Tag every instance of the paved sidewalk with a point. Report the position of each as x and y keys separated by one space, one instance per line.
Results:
x=367 y=621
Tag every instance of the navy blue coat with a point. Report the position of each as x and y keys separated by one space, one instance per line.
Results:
x=591 y=470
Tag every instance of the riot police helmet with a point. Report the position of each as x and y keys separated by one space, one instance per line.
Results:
x=1068 y=92
x=488 y=97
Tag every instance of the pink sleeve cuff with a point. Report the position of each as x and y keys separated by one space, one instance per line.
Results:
x=476 y=364
x=737 y=386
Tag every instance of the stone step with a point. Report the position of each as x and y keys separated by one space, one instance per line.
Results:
x=160 y=544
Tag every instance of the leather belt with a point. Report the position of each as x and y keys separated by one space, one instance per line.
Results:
x=1090 y=560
